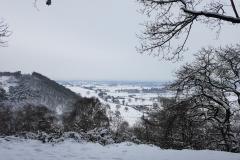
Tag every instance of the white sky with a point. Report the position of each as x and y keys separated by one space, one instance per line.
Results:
x=95 y=40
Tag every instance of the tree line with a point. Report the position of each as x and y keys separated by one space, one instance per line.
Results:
x=205 y=113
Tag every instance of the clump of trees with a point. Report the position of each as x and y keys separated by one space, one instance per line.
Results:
x=174 y=126
x=87 y=114
x=205 y=112
x=29 y=118
x=87 y=120
x=213 y=83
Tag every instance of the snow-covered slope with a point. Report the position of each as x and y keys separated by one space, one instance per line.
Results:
x=131 y=99
x=7 y=81
x=69 y=150
x=128 y=114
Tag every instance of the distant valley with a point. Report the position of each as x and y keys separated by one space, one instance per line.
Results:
x=131 y=98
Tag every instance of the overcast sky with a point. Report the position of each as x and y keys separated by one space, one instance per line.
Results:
x=94 y=40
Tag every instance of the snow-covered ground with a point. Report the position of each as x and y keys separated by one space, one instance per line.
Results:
x=128 y=95
x=69 y=150
x=130 y=115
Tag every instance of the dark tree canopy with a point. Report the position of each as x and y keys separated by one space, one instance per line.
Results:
x=205 y=114
x=87 y=114
x=170 y=23
x=212 y=82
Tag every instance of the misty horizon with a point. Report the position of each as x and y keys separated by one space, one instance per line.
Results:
x=89 y=42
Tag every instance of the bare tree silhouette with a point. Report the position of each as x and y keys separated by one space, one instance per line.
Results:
x=4 y=32
x=171 y=21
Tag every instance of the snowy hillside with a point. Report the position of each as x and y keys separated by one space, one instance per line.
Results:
x=130 y=114
x=7 y=81
x=17 y=149
x=18 y=89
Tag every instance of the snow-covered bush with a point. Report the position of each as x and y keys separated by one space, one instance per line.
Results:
x=100 y=135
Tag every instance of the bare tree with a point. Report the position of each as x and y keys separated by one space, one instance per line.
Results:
x=212 y=82
x=171 y=21
x=4 y=32
x=4 y=29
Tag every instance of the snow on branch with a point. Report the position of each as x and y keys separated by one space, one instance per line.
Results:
x=212 y=15
x=170 y=23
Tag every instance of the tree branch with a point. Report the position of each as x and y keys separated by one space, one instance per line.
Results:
x=212 y=15
x=234 y=8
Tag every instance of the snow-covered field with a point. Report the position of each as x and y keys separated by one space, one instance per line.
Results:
x=69 y=150
x=128 y=95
